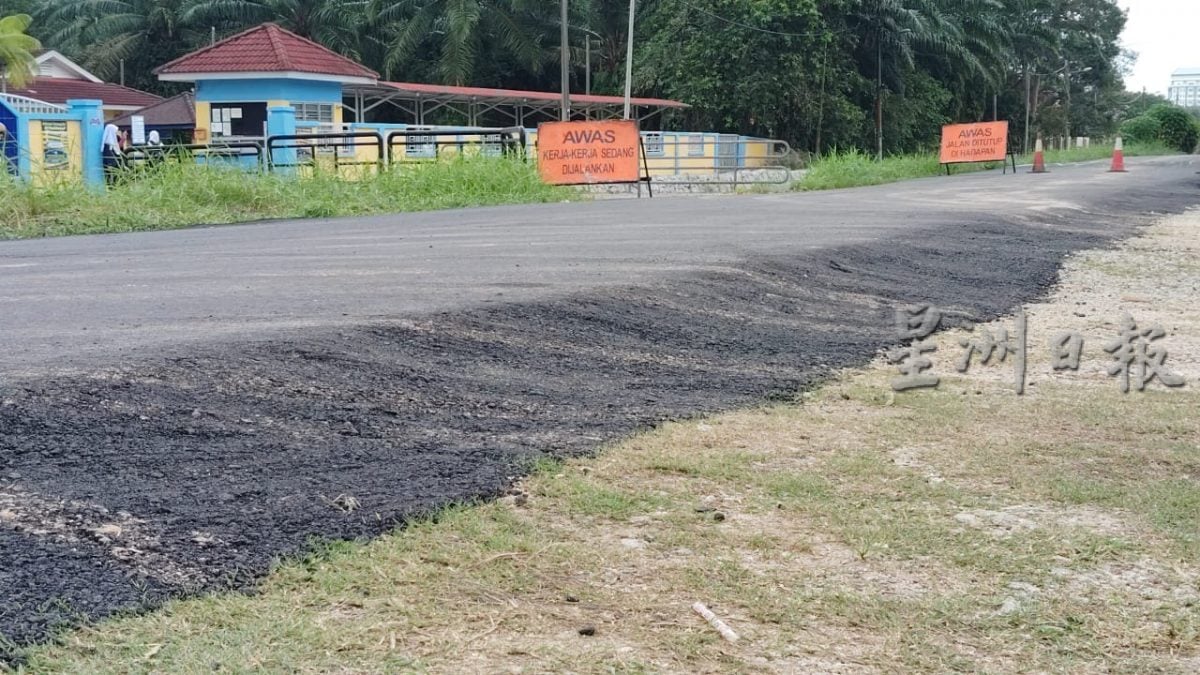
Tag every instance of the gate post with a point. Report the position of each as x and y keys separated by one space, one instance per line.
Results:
x=281 y=121
x=91 y=135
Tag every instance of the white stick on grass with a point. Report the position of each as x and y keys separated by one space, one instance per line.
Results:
x=722 y=628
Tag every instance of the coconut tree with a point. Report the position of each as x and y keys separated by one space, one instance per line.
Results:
x=16 y=49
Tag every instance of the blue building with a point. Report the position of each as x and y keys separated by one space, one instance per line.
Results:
x=239 y=78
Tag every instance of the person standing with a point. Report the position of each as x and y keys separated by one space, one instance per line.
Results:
x=154 y=150
x=111 y=153
x=4 y=164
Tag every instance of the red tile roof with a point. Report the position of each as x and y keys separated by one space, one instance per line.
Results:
x=266 y=48
x=177 y=111
x=58 y=90
x=482 y=93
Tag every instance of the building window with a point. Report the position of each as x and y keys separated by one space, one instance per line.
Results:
x=492 y=145
x=695 y=146
x=321 y=113
x=237 y=119
x=653 y=141
x=419 y=146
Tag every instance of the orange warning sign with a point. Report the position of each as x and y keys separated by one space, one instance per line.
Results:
x=578 y=153
x=984 y=142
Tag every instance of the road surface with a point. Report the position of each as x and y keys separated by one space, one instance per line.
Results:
x=77 y=300
x=177 y=409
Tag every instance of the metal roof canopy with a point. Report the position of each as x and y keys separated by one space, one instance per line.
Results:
x=419 y=100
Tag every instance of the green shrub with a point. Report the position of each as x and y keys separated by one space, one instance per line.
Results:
x=1144 y=129
x=1179 y=129
x=179 y=194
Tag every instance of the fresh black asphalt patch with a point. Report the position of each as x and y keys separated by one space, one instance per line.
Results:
x=196 y=470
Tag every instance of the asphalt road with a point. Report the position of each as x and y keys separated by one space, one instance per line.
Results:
x=179 y=409
x=74 y=301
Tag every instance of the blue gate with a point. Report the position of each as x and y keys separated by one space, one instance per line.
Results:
x=8 y=118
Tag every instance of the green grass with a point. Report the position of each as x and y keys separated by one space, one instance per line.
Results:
x=176 y=195
x=1096 y=152
x=856 y=168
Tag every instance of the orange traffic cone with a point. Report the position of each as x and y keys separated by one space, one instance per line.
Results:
x=1039 y=158
x=1118 y=162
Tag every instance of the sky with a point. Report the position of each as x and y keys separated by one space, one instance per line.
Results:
x=1166 y=36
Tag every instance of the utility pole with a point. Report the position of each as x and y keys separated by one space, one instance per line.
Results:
x=629 y=60
x=1025 y=148
x=566 y=65
x=587 y=66
x=1067 y=88
x=878 y=98
x=821 y=107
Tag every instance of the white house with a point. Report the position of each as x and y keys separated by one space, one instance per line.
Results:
x=59 y=79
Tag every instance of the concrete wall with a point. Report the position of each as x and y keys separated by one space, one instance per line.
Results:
x=61 y=147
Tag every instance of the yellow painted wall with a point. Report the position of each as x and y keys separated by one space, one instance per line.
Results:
x=348 y=162
x=36 y=147
x=676 y=157
x=757 y=153
x=203 y=122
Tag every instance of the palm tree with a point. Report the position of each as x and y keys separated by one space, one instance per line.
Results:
x=463 y=31
x=335 y=24
x=1033 y=42
x=984 y=31
x=893 y=32
x=609 y=22
x=16 y=49
x=104 y=34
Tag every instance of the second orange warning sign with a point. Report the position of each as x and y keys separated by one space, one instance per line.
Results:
x=580 y=153
x=982 y=142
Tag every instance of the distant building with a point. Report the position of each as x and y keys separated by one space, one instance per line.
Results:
x=1185 y=88
x=59 y=79
x=237 y=79
x=174 y=118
